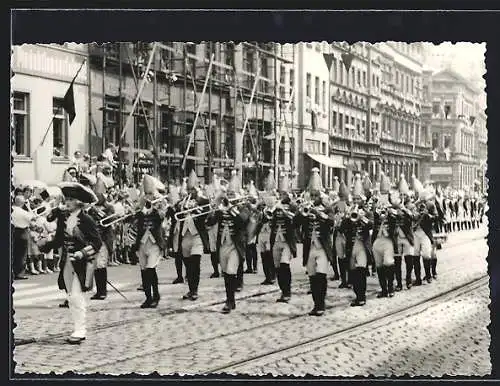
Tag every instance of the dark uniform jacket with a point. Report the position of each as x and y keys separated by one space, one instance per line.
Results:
x=237 y=228
x=152 y=222
x=325 y=230
x=405 y=220
x=106 y=233
x=427 y=220
x=199 y=222
x=392 y=222
x=289 y=226
x=86 y=239
x=351 y=229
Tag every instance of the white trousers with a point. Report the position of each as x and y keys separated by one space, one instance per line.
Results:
x=317 y=261
x=77 y=301
x=281 y=253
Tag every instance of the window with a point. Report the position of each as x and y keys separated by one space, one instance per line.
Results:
x=142 y=140
x=21 y=124
x=229 y=54
x=292 y=151
x=60 y=128
x=316 y=90
x=112 y=122
x=435 y=141
x=248 y=60
x=323 y=96
x=334 y=69
x=341 y=122
x=341 y=71
x=412 y=88
x=308 y=85
x=292 y=80
x=334 y=119
x=359 y=78
x=323 y=148
x=263 y=68
x=376 y=82
x=364 y=78
x=166 y=123
x=397 y=77
x=282 y=74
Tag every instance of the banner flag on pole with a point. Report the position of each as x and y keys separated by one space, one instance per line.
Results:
x=328 y=60
x=69 y=103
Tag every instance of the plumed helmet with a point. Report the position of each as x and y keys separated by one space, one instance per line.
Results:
x=385 y=184
x=357 y=190
x=252 y=191
x=149 y=184
x=336 y=184
x=343 y=191
x=270 y=183
x=192 y=181
x=403 y=185
x=367 y=184
x=416 y=185
x=284 y=182
x=315 y=184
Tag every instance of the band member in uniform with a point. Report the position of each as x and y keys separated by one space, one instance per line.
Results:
x=178 y=202
x=263 y=230
x=150 y=241
x=78 y=236
x=385 y=244
x=213 y=190
x=231 y=221
x=423 y=237
x=193 y=241
x=357 y=231
x=367 y=189
x=99 y=211
x=283 y=241
x=334 y=198
x=317 y=220
x=251 y=247
x=339 y=239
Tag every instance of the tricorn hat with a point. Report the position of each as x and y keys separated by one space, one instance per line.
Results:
x=78 y=192
x=88 y=179
x=315 y=184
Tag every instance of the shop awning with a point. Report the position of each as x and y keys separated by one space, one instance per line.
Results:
x=331 y=162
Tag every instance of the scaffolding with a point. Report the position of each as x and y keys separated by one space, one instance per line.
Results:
x=171 y=107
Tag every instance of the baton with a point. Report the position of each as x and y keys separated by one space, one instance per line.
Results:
x=116 y=289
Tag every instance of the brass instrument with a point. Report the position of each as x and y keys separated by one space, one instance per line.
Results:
x=150 y=203
x=211 y=208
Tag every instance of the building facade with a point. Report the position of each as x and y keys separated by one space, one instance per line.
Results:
x=43 y=140
x=458 y=131
x=236 y=122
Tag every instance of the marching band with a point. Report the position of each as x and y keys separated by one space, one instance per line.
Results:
x=87 y=224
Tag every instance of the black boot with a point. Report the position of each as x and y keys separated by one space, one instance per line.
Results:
x=248 y=259
x=100 y=283
x=227 y=285
x=178 y=268
x=254 y=258
x=284 y=281
x=239 y=277
x=196 y=276
x=343 y=273
x=398 y=273
x=215 y=265
x=154 y=287
x=358 y=280
x=427 y=269
x=390 y=280
x=189 y=277
x=409 y=269
x=322 y=288
x=334 y=264
x=146 y=284
x=382 y=279
x=418 y=273
x=433 y=268
x=313 y=282
x=267 y=267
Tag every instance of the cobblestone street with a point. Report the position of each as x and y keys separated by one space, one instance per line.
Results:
x=197 y=338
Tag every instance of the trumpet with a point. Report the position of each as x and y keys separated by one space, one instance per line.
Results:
x=150 y=203
x=201 y=209
x=113 y=219
x=40 y=210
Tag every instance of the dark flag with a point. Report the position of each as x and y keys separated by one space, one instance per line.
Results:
x=328 y=60
x=347 y=58
x=447 y=111
x=69 y=103
x=472 y=119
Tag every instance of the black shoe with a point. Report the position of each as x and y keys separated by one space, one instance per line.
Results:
x=382 y=295
x=390 y=294
x=227 y=308
x=154 y=303
x=19 y=277
x=239 y=288
x=233 y=305
x=187 y=296
x=313 y=312
x=214 y=275
x=74 y=340
x=309 y=292
x=64 y=304
x=283 y=299
x=399 y=288
x=98 y=297
x=417 y=283
x=428 y=280
x=435 y=276
x=335 y=277
x=179 y=280
x=140 y=288
x=147 y=303
x=267 y=282
x=255 y=271
x=358 y=303
x=409 y=284
x=248 y=271
x=193 y=297
x=344 y=285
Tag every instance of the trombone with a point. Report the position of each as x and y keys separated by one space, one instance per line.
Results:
x=180 y=216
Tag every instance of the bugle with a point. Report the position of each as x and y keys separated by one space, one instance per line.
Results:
x=211 y=208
